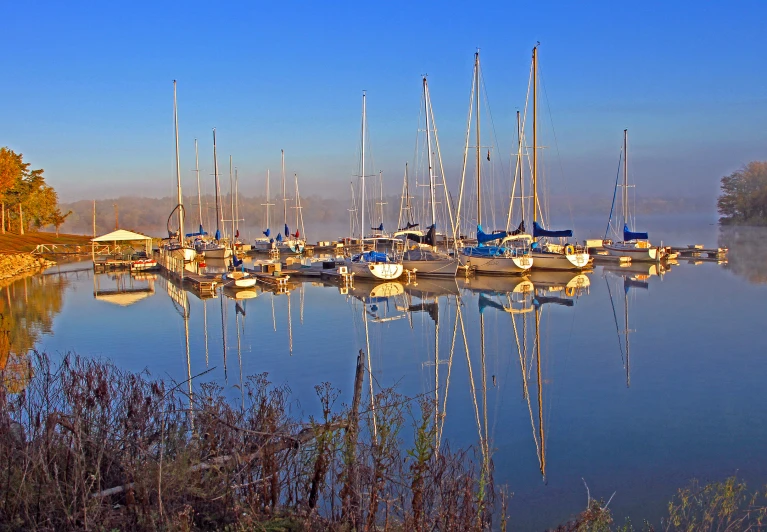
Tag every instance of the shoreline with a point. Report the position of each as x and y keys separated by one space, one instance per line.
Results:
x=14 y=265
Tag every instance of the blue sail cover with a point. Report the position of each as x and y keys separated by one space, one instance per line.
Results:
x=267 y=233
x=375 y=256
x=539 y=231
x=483 y=237
x=198 y=233
x=379 y=228
x=218 y=234
x=279 y=237
x=629 y=235
x=287 y=231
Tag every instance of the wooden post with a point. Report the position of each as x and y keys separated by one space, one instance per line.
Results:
x=21 y=220
x=349 y=493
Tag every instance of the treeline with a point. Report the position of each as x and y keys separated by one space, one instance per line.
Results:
x=26 y=200
x=743 y=200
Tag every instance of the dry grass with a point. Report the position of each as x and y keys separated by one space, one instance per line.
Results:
x=89 y=446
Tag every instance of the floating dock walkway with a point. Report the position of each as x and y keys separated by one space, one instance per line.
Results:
x=174 y=267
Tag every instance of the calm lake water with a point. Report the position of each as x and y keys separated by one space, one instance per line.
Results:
x=646 y=378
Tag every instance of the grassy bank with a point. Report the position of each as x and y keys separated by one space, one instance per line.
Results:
x=15 y=243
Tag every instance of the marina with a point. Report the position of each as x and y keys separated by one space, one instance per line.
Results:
x=471 y=341
x=383 y=267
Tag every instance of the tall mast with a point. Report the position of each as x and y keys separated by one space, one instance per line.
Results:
x=237 y=199
x=267 y=204
x=362 y=169
x=298 y=200
x=178 y=171
x=197 y=170
x=625 y=176
x=428 y=147
x=521 y=167
x=479 y=147
x=284 y=197
x=231 y=196
x=535 y=134
x=381 y=203
x=215 y=173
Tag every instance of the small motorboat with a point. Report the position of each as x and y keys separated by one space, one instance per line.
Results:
x=239 y=279
x=139 y=265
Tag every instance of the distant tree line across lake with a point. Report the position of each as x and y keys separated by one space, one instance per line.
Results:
x=327 y=217
x=743 y=200
x=26 y=200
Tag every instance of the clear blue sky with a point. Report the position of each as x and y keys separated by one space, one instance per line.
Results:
x=87 y=87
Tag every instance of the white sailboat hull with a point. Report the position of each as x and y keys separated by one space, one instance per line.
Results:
x=188 y=254
x=446 y=267
x=264 y=245
x=239 y=280
x=292 y=246
x=637 y=253
x=544 y=260
x=386 y=271
x=497 y=265
x=218 y=253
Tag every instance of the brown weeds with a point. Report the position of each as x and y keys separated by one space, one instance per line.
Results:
x=89 y=446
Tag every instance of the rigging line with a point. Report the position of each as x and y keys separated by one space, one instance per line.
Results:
x=556 y=145
x=492 y=126
x=370 y=373
x=615 y=193
x=448 y=201
x=471 y=380
x=617 y=328
x=449 y=369
x=465 y=159
x=483 y=370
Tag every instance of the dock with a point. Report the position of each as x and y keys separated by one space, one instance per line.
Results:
x=696 y=250
x=174 y=267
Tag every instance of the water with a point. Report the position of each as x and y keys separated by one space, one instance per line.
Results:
x=684 y=400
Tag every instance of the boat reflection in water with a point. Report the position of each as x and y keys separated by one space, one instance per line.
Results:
x=527 y=303
x=180 y=299
x=627 y=282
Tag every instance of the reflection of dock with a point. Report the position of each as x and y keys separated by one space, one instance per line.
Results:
x=125 y=293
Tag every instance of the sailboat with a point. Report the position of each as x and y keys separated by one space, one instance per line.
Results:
x=547 y=255
x=266 y=243
x=371 y=264
x=512 y=256
x=424 y=258
x=217 y=249
x=295 y=242
x=634 y=244
x=290 y=243
x=179 y=247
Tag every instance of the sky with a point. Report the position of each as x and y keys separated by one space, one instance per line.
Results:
x=87 y=89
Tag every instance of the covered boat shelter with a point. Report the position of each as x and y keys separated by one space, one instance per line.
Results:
x=122 y=235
